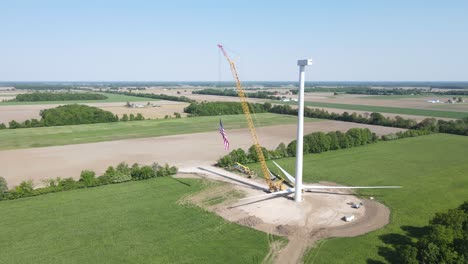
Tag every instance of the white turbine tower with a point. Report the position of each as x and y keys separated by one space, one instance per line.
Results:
x=297 y=181
x=300 y=129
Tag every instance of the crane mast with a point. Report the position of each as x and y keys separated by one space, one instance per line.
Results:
x=273 y=186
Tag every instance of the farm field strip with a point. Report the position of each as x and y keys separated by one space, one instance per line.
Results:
x=391 y=97
x=64 y=135
x=134 y=222
x=384 y=109
x=111 y=98
x=432 y=170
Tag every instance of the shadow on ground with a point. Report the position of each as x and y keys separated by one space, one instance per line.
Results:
x=394 y=241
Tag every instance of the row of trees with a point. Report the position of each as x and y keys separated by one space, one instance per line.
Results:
x=383 y=91
x=459 y=127
x=71 y=115
x=223 y=108
x=316 y=142
x=121 y=173
x=131 y=117
x=231 y=92
x=50 y=96
x=444 y=240
x=156 y=96
x=365 y=90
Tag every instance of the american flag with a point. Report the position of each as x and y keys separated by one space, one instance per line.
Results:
x=223 y=134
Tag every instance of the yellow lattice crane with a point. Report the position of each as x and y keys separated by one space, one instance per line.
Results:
x=273 y=186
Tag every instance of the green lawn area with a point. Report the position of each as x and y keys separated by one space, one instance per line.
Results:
x=433 y=171
x=385 y=109
x=111 y=98
x=64 y=135
x=134 y=222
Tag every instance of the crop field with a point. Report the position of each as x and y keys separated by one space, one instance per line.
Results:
x=393 y=110
x=64 y=135
x=134 y=222
x=111 y=98
x=432 y=170
x=391 y=97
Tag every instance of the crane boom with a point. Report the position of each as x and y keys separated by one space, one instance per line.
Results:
x=273 y=186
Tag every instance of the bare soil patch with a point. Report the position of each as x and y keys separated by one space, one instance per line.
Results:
x=180 y=150
x=21 y=113
x=162 y=109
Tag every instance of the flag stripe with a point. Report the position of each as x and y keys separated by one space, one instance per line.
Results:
x=224 y=135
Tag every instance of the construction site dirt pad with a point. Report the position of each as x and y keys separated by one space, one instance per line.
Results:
x=319 y=215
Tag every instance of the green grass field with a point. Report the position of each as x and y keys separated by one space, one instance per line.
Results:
x=433 y=171
x=64 y=135
x=134 y=222
x=391 y=110
x=111 y=98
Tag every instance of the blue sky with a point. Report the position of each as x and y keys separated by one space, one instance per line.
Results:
x=176 y=40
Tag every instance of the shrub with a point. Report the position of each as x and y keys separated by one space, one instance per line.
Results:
x=281 y=150
x=52 y=182
x=121 y=174
x=24 y=189
x=334 y=142
x=165 y=171
x=252 y=154
x=139 y=117
x=70 y=184
x=3 y=186
x=145 y=172
x=291 y=149
x=88 y=177
x=103 y=180
x=13 y=124
x=319 y=142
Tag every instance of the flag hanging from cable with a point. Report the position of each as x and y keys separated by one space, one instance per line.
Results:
x=223 y=134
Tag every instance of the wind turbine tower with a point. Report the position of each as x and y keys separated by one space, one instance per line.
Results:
x=300 y=129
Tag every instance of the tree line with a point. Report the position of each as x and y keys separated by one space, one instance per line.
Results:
x=73 y=114
x=222 y=108
x=316 y=142
x=384 y=91
x=121 y=173
x=458 y=127
x=231 y=92
x=156 y=96
x=444 y=240
x=48 y=96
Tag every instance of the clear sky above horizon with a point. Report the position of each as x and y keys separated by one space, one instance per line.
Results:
x=176 y=40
